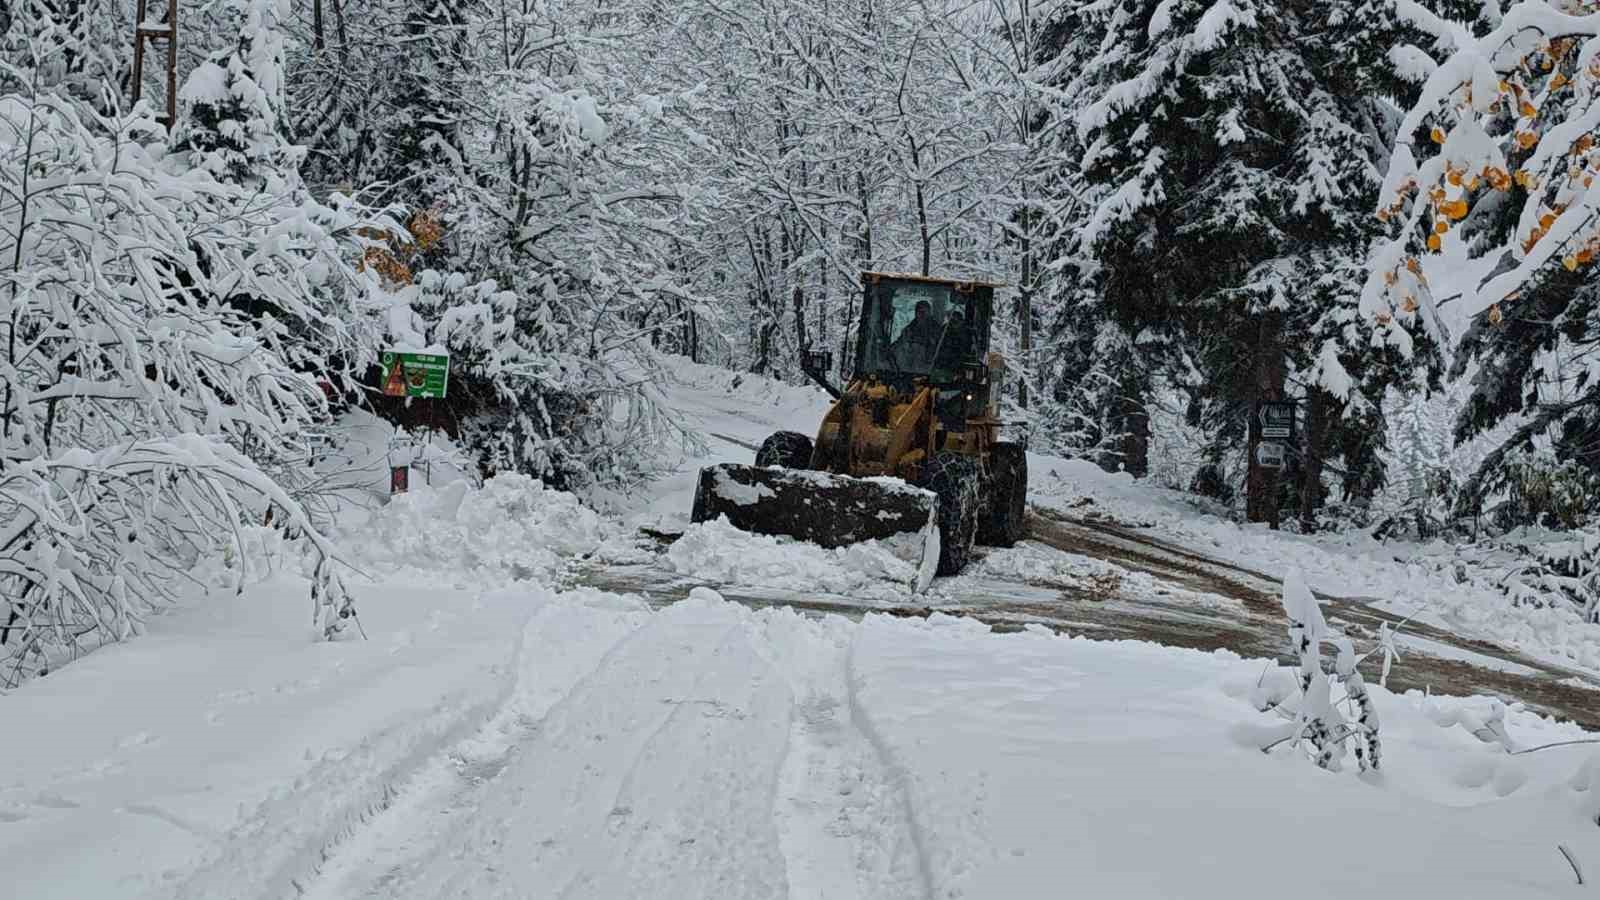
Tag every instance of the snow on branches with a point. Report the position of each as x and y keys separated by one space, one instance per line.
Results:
x=1510 y=119
x=1320 y=728
x=158 y=331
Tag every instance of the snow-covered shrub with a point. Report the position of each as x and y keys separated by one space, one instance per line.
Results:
x=1545 y=491
x=1428 y=510
x=1320 y=729
x=1560 y=571
x=520 y=399
x=143 y=408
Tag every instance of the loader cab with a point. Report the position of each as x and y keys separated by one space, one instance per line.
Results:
x=922 y=328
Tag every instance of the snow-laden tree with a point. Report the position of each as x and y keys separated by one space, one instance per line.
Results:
x=1493 y=176
x=145 y=418
x=528 y=158
x=232 y=103
x=1095 y=385
x=830 y=137
x=1236 y=156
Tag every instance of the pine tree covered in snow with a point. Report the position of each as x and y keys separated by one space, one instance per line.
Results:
x=1097 y=384
x=232 y=103
x=1237 y=152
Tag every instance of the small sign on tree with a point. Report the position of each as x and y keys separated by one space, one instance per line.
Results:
x=415 y=374
x=1277 y=420
x=1271 y=455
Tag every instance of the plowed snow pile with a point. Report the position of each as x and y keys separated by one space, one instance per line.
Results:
x=514 y=528
x=722 y=554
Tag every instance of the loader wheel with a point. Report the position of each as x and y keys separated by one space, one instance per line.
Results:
x=789 y=449
x=954 y=478
x=1004 y=522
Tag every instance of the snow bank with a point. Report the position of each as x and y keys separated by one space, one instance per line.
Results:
x=1129 y=770
x=1409 y=580
x=512 y=528
x=718 y=552
x=222 y=752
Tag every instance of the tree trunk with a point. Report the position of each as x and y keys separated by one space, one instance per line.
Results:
x=1025 y=325
x=1134 y=420
x=338 y=22
x=1319 y=411
x=1261 y=485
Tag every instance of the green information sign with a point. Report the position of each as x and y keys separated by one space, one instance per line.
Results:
x=415 y=374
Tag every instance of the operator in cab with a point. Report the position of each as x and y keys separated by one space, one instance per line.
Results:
x=914 y=348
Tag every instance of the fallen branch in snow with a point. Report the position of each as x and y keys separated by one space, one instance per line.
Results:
x=1550 y=746
x=1577 y=872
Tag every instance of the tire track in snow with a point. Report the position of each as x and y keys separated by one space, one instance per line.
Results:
x=896 y=773
x=426 y=807
x=278 y=847
x=841 y=815
x=653 y=778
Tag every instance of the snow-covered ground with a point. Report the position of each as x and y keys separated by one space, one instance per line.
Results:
x=496 y=736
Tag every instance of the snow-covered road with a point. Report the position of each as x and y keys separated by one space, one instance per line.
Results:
x=698 y=752
x=506 y=731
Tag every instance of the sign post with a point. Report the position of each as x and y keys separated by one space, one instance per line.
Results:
x=1273 y=429
x=425 y=376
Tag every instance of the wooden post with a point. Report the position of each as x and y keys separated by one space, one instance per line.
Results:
x=144 y=32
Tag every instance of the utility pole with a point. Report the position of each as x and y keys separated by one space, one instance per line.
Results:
x=146 y=32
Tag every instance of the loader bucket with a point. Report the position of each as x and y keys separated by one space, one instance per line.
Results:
x=822 y=508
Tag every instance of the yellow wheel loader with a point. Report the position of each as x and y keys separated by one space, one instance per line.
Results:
x=911 y=445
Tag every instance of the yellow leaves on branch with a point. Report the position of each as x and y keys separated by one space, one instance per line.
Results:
x=1584 y=256
x=1495 y=316
x=1547 y=220
x=1455 y=210
x=393 y=261
x=1392 y=280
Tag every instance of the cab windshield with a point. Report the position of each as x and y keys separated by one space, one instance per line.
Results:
x=919 y=328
